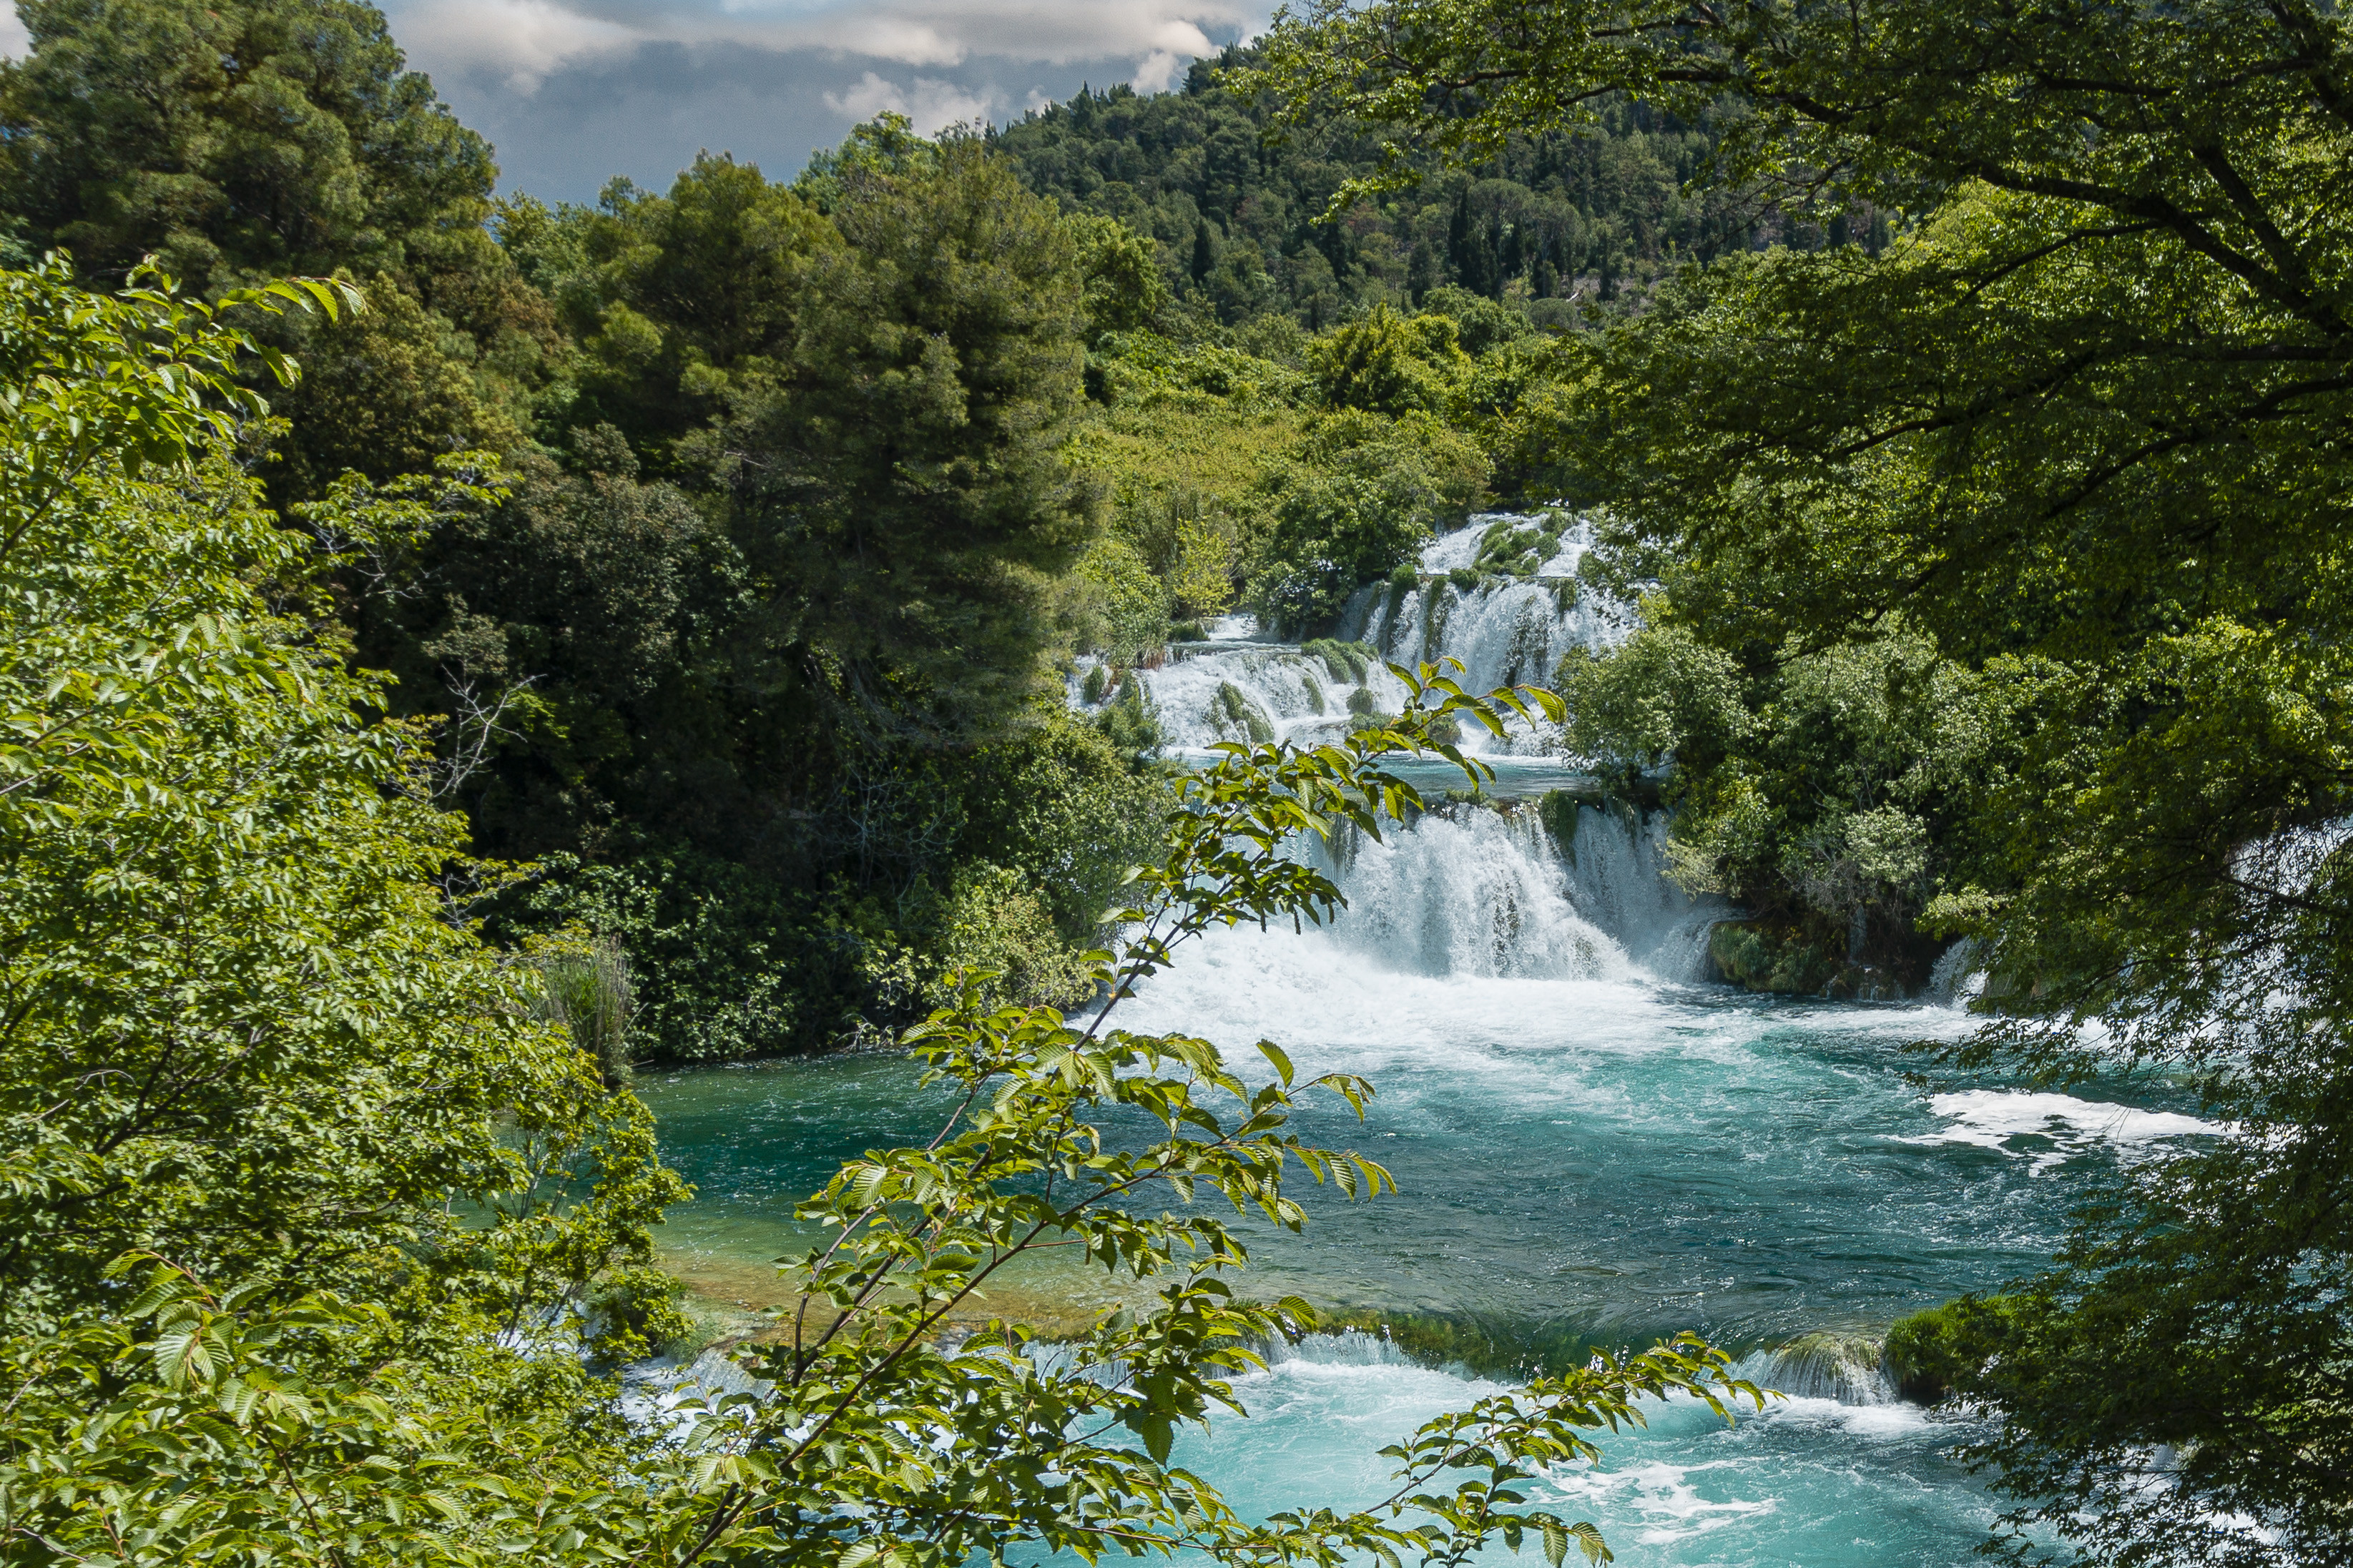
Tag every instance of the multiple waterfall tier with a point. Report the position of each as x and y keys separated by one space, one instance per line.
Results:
x=1499 y=888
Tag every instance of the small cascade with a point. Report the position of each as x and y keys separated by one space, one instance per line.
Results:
x=1618 y=875
x=1487 y=891
x=1850 y=1369
x=1957 y=977
x=1469 y=890
x=1505 y=630
x=1235 y=690
x=1234 y=685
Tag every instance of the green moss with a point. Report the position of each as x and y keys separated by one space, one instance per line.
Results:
x=1231 y=706
x=1096 y=685
x=1463 y=578
x=1557 y=811
x=1363 y=703
x=1314 y=694
x=1345 y=661
x=1939 y=1351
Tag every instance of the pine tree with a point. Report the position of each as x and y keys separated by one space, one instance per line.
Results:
x=1421 y=272
x=1205 y=250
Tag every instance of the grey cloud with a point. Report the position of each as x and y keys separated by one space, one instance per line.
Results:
x=645 y=109
x=574 y=92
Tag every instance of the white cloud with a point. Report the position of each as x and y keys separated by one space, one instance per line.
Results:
x=15 y=42
x=1175 y=42
x=522 y=40
x=930 y=105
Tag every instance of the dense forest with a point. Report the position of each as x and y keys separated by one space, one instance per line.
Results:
x=1244 y=216
x=753 y=700
x=463 y=648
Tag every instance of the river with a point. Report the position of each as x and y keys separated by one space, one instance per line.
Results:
x=1592 y=1143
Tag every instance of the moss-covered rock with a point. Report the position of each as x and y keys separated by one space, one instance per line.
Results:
x=1933 y=1353
x=1788 y=959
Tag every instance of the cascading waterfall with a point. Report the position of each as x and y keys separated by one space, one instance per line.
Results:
x=1486 y=890
x=1505 y=630
x=1470 y=890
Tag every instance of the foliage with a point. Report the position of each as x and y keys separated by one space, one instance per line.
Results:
x=1235 y=214
x=1385 y=364
x=2077 y=431
x=242 y=141
x=425 y=1408
x=1122 y=609
x=585 y=986
x=246 y=1029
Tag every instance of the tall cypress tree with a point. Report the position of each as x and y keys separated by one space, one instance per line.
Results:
x=1205 y=250
x=1421 y=272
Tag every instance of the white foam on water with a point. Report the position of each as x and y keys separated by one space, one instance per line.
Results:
x=1457 y=548
x=2063 y=1125
x=1664 y=1499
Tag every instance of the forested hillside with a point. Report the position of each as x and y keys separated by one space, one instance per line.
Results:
x=1551 y=221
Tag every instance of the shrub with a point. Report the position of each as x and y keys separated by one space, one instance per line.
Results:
x=585 y=987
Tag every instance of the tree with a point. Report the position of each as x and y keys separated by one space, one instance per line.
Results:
x=243 y=141
x=245 y=1028
x=2077 y=425
x=905 y=490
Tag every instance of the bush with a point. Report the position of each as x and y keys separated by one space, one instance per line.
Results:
x=729 y=961
x=1126 y=721
x=586 y=988
x=992 y=920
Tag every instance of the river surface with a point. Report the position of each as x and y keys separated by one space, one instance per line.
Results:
x=1605 y=1158
x=1592 y=1145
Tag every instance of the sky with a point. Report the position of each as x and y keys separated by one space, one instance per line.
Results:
x=573 y=92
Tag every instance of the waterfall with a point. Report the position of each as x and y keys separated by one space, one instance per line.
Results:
x=1849 y=1369
x=1477 y=889
x=1246 y=691
x=1617 y=873
x=1505 y=630
x=1465 y=889
x=1470 y=890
